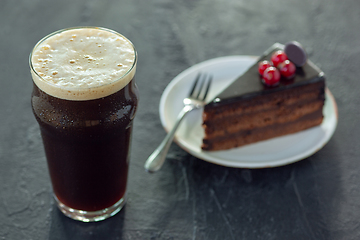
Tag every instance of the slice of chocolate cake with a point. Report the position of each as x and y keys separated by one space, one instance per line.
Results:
x=248 y=110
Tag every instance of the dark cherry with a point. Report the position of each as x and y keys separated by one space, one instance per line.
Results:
x=287 y=69
x=262 y=66
x=271 y=76
x=278 y=57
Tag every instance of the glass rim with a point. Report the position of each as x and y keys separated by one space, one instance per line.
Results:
x=73 y=28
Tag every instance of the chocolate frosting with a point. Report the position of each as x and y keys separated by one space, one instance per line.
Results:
x=249 y=84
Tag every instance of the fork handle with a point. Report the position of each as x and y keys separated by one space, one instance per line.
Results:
x=157 y=158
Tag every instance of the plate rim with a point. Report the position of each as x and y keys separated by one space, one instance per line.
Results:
x=223 y=162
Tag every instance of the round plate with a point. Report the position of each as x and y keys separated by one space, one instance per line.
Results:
x=270 y=153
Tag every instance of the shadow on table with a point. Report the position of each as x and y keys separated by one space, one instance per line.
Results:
x=63 y=227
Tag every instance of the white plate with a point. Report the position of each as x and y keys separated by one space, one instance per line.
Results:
x=270 y=153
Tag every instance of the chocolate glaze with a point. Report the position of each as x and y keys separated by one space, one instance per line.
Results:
x=249 y=84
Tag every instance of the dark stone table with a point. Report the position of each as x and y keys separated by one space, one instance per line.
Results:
x=316 y=198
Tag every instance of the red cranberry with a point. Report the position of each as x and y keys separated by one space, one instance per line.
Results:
x=262 y=66
x=271 y=76
x=278 y=57
x=287 y=69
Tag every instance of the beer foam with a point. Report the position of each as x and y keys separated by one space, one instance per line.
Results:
x=83 y=63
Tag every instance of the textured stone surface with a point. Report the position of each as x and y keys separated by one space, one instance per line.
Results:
x=317 y=198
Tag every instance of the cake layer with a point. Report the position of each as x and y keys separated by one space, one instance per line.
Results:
x=251 y=136
x=214 y=111
x=262 y=119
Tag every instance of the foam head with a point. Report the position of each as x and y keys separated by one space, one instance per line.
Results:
x=83 y=63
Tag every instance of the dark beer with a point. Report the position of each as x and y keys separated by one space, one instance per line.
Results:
x=87 y=146
x=86 y=132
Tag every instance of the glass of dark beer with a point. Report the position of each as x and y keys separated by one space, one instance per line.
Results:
x=85 y=99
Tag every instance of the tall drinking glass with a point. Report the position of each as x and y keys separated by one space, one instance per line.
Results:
x=85 y=99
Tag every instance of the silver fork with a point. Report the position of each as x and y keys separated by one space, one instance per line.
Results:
x=195 y=100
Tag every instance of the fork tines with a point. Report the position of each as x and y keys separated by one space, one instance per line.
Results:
x=198 y=90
